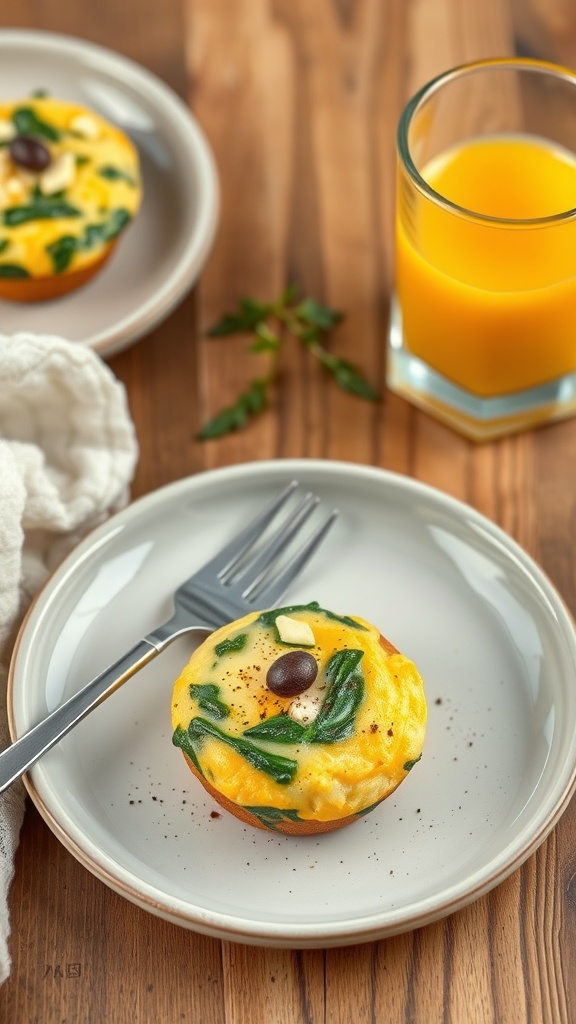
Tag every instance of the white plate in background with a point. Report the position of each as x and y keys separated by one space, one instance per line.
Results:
x=490 y=635
x=162 y=253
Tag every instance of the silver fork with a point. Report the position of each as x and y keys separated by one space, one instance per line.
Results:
x=234 y=582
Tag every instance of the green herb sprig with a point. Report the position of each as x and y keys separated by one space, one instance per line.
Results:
x=268 y=324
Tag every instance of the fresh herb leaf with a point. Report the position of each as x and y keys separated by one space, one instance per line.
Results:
x=268 y=324
x=246 y=318
x=279 y=728
x=265 y=339
x=346 y=375
x=337 y=715
x=237 y=643
x=12 y=270
x=253 y=308
x=350 y=379
x=281 y=769
x=27 y=122
x=207 y=696
x=313 y=313
x=290 y=294
x=410 y=764
x=250 y=403
x=232 y=418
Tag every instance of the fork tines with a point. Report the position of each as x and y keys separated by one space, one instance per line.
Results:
x=252 y=563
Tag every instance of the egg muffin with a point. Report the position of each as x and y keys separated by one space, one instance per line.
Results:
x=69 y=186
x=298 y=719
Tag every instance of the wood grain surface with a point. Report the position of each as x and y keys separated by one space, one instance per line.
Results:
x=300 y=99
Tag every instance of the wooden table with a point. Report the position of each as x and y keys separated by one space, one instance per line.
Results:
x=300 y=99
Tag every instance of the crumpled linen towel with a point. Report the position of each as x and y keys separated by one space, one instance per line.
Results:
x=67 y=455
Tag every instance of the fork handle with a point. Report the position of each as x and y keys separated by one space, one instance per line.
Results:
x=24 y=752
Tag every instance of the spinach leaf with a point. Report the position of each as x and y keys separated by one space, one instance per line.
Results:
x=62 y=250
x=27 y=122
x=337 y=716
x=410 y=764
x=366 y=810
x=345 y=619
x=237 y=643
x=279 y=728
x=115 y=174
x=273 y=816
x=282 y=769
x=12 y=270
x=107 y=230
x=207 y=696
x=116 y=223
x=180 y=739
x=269 y=618
x=39 y=209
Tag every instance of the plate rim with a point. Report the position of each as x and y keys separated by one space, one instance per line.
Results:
x=333 y=933
x=160 y=304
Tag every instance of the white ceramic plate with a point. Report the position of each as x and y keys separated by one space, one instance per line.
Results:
x=163 y=251
x=490 y=635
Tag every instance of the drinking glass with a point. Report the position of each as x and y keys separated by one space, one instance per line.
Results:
x=483 y=322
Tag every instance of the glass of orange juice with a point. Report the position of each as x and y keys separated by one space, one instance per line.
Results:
x=483 y=325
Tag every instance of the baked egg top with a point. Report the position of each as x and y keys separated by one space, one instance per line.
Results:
x=335 y=749
x=69 y=185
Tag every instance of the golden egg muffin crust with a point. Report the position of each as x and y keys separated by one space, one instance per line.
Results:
x=69 y=186
x=298 y=719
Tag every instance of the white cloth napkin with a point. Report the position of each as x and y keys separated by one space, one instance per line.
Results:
x=67 y=455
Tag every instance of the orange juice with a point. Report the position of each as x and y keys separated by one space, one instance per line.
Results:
x=489 y=301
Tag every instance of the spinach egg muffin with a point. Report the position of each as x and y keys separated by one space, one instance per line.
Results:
x=298 y=719
x=69 y=186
